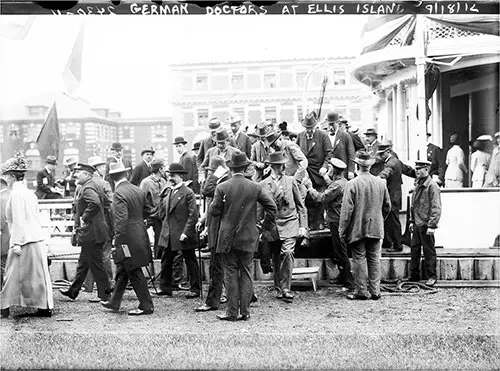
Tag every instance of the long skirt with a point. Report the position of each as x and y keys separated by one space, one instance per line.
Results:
x=27 y=279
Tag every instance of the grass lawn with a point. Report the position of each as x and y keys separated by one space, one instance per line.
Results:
x=452 y=329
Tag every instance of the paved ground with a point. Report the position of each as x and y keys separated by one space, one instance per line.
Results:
x=454 y=328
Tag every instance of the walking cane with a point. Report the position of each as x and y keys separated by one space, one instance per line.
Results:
x=151 y=279
x=198 y=242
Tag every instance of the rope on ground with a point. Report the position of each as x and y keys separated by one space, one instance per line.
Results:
x=406 y=288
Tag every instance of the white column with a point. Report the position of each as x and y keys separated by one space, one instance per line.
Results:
x=421 y=129
x=401 y=144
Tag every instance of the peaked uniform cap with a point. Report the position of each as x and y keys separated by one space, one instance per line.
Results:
x=87 y=167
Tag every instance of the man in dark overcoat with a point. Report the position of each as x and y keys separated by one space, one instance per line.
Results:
x=318 y=149
x=92 y=232
x=143 y=169
x=241 y=139
x=392 y=173
x=179 y=213
x=131 y=243
x=435 y=156
x=45 y=181
x=187 y=161
x=235 y=202
x=342 y=145
x=116 y=151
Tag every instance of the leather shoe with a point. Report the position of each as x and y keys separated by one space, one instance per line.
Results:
x=254 y=299
x=430 y=282
x=244 y=317
x=95 y=299
x=5 y=312
x=223 y=299
x=356 y=297
x=139 y=312
x=192 y=295
x=67 y=294
x=43 y=313
x=375 y=297
x=107 y=304
x=225 y=317
x=204 y=308
x=164 y=293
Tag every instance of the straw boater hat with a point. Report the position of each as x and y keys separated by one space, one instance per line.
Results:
x=176 y=168
x=277 y=158
x=363 y=158
x=179 y=140
x=339 y=164
x=309 y=121
x=86 y=167
x=221 y=135
x=116 y=146
x=233 y=118
x=117 y=167
x=15 y=164
x=146 y=150
x=51 y=160
x=96 y=161
x=214 y=123
x=272 y=137
x=239 y=159
x=215 y=162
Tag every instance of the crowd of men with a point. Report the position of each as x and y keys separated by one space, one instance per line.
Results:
x=262 y=186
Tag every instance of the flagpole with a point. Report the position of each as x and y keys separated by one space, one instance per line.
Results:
x=421 y=128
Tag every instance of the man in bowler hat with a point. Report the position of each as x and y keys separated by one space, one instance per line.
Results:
x=116 y=151
x=131 y=243
x=188 y=161
x=235 y=202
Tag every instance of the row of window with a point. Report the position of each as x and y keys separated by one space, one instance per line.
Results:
x=239 y=81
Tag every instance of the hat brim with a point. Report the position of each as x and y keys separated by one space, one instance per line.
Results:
x=177 y=172
x=14 y=171
x=284 y=161
x=98 y=164
x=364 y=162
x=117 y=171
x=179 y=143
x=222 y=140
x=274 y=140
x=309 y=126
x=143 y=152
x=232 y=165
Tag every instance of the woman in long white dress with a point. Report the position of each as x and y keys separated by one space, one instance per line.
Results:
x=454 y=175
x=27 y=279
x=480 y=161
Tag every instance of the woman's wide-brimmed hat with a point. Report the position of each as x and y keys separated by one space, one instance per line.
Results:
x=363 y=158
x=15 y=164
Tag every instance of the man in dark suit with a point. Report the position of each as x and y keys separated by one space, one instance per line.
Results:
x=68 y=182
x=372 y=144
x=45 y=181
x=241 y=139
x=131 y=243
x=235 y=202
x=116 y=156
x=346 y=128
x=187 y=161
x=436 y=157
x=343 y=148
x=391 y=172
x=205 y=145
x=92 y=232
x=179 y=213
x=318 y=149
x=143 y=169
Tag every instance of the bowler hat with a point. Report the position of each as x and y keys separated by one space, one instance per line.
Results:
x=70 y=161
x=309 y=121
x=363 y=158
x=116 y=146
x=221 y=135
x=17 y=164
x=214 y=123
x=371 y=131
x=51 y=160
x=156 y=164
x=86 y=167
x=276 y=158
x=215 y=162
x=262 y=129
x=176 y=168
x=421 y=164
x=179 y=140
x=96 y=161
x=117 y=167
x=196 y=146
x=233 y=118
x=339 y=164
x=332 y=117
x=239 y=159
x=272 y=137
x=146 y=150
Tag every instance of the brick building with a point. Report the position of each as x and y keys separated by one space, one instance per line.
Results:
x=259 y=90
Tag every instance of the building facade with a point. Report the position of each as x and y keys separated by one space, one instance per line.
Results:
x=283 y=90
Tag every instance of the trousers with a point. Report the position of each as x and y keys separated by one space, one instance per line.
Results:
x=366 y=254
x=283 y=259
x=340 y=257
x=216 y=280
x=422 y=241
x=167 y=262
x=125 y=272
x=392 y=231
x=239 y=283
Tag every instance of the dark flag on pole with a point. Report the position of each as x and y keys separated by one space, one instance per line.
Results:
x=48 y=139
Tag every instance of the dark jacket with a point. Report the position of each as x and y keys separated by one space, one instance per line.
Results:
x=89 y=207
x=179 y=213
x=243 y=143
x=140 y=172
x=44 y=181
x=129 y=227
x=235 y=202
x=213 y=222
x=205 y=145
x=189 y=163
x=332 y=198
x=343 y=149
x=435 y=156
x=392 y=174
x=357 y=142
x=318 y=151
x=426 y=203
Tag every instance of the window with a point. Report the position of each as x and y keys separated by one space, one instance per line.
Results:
x=338 y=77
x=270 y=113
x=37 y=110
x=301 y=79
x=203 y=117
x=202 y=82
x=237 y=81
x=270 y=80
x=126 y=132
x=72 y=131
x=159 y=131
x=31 y=132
